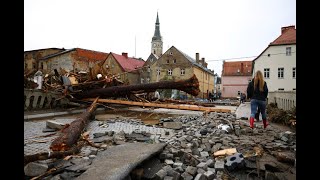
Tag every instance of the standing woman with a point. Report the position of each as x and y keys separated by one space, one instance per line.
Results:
x=257 y=91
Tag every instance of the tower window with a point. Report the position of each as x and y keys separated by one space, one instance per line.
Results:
x=170 y=72
x=174 y=61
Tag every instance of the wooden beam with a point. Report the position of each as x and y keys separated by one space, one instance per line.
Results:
x=168 y=106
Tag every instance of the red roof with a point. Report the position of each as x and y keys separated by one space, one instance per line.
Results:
x=237 y=68
x=288 y=36
x=127 y=63
x=89 y=55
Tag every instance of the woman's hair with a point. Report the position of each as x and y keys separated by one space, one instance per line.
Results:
x=258 y=78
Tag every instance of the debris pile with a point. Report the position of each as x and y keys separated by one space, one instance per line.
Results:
x=197 y=148
x=281 y=116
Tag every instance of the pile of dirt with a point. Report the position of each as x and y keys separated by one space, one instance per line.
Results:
x=281 y=116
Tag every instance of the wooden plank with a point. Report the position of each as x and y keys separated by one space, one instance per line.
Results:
x=168 y=106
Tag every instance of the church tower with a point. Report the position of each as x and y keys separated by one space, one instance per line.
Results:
x=156 y=43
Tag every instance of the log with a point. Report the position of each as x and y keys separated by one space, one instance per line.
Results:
x=168 y=106
x=70 y=134
x=57 y=154
x=190 y=86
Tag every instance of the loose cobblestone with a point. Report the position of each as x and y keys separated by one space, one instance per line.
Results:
x=35 y=144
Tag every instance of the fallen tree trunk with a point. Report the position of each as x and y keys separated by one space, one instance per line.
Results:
x=57 y=154
x=190 y=86
x=70 y=134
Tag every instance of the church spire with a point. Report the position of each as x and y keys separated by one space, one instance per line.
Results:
x=157 y=35
x=156 y=43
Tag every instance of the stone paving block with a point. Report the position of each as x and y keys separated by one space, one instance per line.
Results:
x=177 y=164
x=219 y=165
x=204 y=154
x=210 y=163
x=186 y=176
x=168 y=178
x=35 y=169
x=161 y=174
x=202 y=165
x=168 y=161
x=209 y=175
x=191 y=170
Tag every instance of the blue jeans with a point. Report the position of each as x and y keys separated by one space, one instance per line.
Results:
x=255 y=104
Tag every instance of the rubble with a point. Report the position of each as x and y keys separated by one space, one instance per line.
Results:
x=199 y=149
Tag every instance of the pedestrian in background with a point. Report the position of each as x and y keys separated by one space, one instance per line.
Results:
x=257 y=91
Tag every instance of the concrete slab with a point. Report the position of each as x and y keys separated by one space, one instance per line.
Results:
x=118 y=161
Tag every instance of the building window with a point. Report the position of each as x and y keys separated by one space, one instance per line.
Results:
x=26 y=65
x=174 y=61
x=148 y=69
x=170 y=53
x=239 y=93
x=294 y=72
x=281 y=89
x=267 y=73
x=294 y=89
x=158 y=71
x=34 y=65
x=142 y=80
x=170 y=72
x=182 y=71
x=151 y=59
x=41 y=65
x=288 y=51
x=168 y=61
x=148 y=80
x=280 y=73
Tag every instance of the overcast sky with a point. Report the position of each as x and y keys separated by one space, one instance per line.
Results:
x=216 y=29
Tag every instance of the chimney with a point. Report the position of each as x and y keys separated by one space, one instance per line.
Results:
x=202 y=61
x=205 y=65
x=284 y=29
x=197 y=57
x=125 y=55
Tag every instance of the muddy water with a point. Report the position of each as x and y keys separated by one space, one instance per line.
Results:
x=146 y=117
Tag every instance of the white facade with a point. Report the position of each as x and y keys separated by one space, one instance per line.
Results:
x=273 y=58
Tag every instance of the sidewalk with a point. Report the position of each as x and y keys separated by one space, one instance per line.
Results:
x=50 y=113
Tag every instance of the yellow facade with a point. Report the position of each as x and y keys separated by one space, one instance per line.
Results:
x=175 y=65
x=206 y=82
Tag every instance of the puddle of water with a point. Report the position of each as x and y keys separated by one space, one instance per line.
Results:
x=146 y=117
